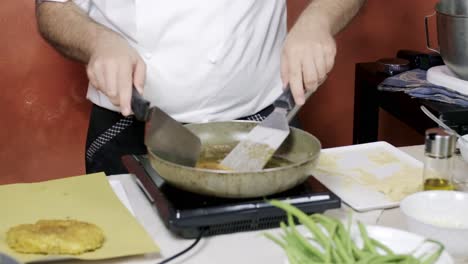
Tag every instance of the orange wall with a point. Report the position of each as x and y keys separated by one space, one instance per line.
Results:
x=44 y=112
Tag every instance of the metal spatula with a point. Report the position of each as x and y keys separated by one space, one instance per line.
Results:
x=164 y=136
x=253 y=153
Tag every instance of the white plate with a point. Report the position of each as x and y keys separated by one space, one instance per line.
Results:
x=402 y=242
x=443 y=76
x=343 y=169
x=399 y=241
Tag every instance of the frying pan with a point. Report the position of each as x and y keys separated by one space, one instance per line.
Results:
x=299 y=154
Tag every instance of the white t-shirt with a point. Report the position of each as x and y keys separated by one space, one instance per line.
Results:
x=206 y=60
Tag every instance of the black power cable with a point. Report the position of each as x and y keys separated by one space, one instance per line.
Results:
x=185 y=250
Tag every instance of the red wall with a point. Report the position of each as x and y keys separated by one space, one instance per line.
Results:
x=44 y=111
x=42 y=102
x=380 y=29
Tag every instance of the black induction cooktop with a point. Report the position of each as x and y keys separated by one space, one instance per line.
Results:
x=188 y=214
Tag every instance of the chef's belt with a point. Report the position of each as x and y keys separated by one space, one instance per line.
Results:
x=111 y=136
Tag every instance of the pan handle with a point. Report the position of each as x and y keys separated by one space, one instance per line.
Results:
x=140 y=106
x=286 y=100
x=428 y=38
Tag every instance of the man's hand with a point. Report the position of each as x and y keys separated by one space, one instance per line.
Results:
x=308 y=55
x=309 y=50
x=113 y=67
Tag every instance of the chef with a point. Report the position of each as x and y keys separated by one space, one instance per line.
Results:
x=198 y=60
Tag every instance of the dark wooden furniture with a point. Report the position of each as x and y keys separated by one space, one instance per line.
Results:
x=368 y=100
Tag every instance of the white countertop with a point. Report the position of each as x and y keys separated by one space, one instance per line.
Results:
x=237 y=248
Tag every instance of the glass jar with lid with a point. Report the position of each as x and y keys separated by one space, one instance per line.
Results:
x=438 y=159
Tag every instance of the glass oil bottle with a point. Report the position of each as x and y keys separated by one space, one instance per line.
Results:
x=438 y=159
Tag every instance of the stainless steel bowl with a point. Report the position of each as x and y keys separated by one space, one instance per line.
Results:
x=453 y=7
x=452 y=31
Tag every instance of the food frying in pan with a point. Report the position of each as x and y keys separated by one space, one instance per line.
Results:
x=55 y=237
x=212 y=161
x=211 y=165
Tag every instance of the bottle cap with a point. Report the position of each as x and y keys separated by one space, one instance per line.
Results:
x=440 y=143
x=392 y=66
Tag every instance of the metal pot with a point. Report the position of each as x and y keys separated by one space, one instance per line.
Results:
x=452 y=29
x=453 y=7
x=301 y=151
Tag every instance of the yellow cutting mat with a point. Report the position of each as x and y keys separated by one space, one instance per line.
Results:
x=87 y=198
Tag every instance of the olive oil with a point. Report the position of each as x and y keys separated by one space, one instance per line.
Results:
x=438 y=184
x=438 y=159
x=212 y=160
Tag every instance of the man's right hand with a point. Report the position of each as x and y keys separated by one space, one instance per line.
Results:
x=112 y=64
x=113 y=67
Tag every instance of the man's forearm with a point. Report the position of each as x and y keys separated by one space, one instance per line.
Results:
x=69 y=29
x=334 y=14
